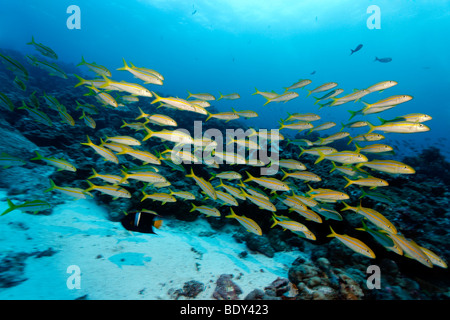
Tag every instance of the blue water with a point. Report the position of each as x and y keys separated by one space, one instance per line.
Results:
x=235 y=46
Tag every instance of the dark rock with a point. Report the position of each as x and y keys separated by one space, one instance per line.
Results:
x=192 y=288
x=46 y=253
x=256 y=294
x=226 y=289
x=12 y=268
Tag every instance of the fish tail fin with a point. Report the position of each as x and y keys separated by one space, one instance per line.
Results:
x=376 y=59
x=241 y=184
x=364 y=194
x=366 y=104
x=89 y=143
x=157 y=98
x=285 y=174
x=382 y=120
x=125 y=177
x=245 y=194
x=256 y=91
x=149 y=133
x=32 y=40
x=191 y=175
x=332 y=234
x=194 y=207
x=52 y=186
x=232 y=214
x=157 y=224
x=301 y=152
x=309 y=93
x=142 y=115
x=334 y=167
x=352 y=51
x=220 y=96
x=95 y=174
x=250 y=177
x=38 y=156
x=310 y=190
x=189 y=94
x=107 y=82
x=349 y=182
x=268 y=100
x=83 y=62
x=321 y=157
x=346 y=207
x=353 y=114
x=83 y=115
x=125 y=124
x=80 y=79
x=125 y=66
x=209 y=115
x=220 y=184
x=91 y=186
x=350 y=139
x=275 y=221
x=358 y=147
x=364 y=227
x=11 y=207
x=371 y=126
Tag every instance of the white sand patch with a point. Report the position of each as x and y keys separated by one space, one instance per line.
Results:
x=118 y=264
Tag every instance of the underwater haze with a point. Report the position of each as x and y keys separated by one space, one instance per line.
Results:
x=361 y=175
x=233 y=46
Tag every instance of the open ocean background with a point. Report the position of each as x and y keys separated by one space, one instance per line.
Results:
x=235 y=46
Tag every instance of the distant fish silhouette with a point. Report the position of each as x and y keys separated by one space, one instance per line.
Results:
x=313 y=72
x=357 y=49
x=194 y=12
x=384 y=60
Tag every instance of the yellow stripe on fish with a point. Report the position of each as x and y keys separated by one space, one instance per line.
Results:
x=204 y=185
x=105 y=153
x=271 y=183
x=248 y=223
x=353 y=243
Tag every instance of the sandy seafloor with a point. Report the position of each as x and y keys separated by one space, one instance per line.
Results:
x=118 y=264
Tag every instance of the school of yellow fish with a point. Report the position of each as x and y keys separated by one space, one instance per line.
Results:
x=312 y=205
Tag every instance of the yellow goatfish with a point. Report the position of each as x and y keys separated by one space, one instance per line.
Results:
x=389 y=166
x=248 y=223
x=353 y=243
x=108 y=155
x=112 y=190
x=73 y=192
x=206 y=210
x=204 y=185
x=147 y=77
x=61 y=164
x=271 y=183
